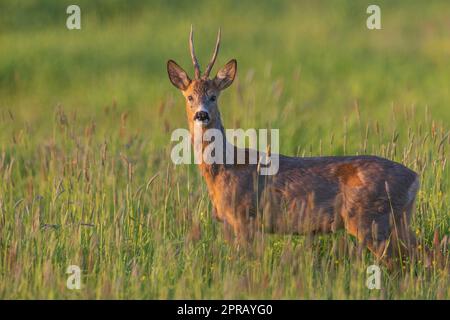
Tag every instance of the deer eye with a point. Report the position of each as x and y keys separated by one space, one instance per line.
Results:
x=190 y=98
x=213 y=98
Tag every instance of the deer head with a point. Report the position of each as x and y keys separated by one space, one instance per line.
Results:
x=202 y=93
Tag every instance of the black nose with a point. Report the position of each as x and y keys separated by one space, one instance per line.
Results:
x=202 y=116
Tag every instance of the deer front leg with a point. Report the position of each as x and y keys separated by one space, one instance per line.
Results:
x=242 y=225
x=231 y=228
x=228 y=229
x=215 y=214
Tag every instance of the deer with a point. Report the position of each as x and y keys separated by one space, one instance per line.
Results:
x=371 y=198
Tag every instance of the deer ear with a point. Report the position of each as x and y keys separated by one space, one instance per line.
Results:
x=225 y=76
x=177 y=75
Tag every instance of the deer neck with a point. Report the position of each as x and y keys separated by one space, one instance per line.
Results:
x=201 y=147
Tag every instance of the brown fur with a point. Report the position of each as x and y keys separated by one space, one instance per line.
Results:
x=348 y=175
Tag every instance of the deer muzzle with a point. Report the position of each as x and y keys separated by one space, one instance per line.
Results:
x=202 y=117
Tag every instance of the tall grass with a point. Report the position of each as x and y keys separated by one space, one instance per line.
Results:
x=85 y=123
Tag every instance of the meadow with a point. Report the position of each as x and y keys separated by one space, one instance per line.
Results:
x=86 y=118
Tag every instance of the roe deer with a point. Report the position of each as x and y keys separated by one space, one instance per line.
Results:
x=371 y=197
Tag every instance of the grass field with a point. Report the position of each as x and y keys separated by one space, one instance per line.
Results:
x=85 y=123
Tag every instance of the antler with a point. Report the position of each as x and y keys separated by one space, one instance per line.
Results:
x=194 y=58
x=213 y=59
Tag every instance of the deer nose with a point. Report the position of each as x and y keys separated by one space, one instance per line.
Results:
x=201 y=116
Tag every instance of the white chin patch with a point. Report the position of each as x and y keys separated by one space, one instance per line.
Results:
x=201 y=123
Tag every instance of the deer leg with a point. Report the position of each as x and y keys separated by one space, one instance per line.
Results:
x=237 y=224
x=388 y=238
x=359 y=227
x=405 y=234
x=216 y=215
x=228 y=232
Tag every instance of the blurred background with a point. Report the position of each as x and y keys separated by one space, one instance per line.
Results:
x=299 y=61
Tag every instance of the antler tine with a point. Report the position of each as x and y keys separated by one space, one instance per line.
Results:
x=213 y=59
x=194 y=58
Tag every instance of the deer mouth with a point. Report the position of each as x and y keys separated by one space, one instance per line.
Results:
x=202 y=123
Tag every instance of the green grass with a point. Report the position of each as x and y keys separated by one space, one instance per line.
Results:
x=85 y=124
